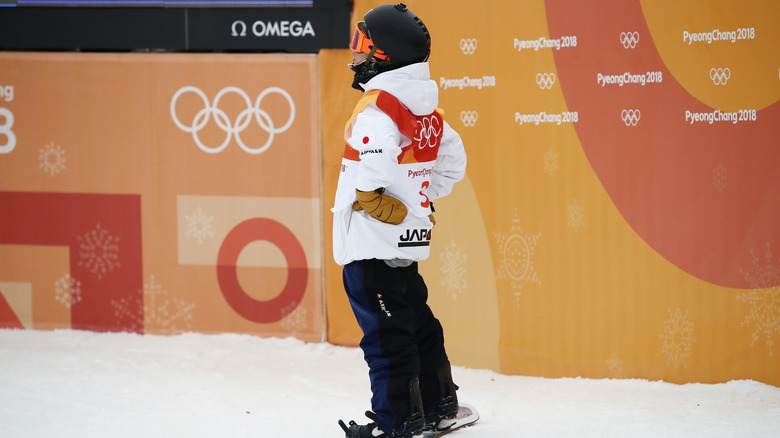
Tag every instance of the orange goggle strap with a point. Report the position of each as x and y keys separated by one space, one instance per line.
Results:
x=361 y=43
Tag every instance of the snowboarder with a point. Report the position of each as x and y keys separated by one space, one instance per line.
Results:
x=400 y=156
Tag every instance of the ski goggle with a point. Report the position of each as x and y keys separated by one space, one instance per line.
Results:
x=361 y=43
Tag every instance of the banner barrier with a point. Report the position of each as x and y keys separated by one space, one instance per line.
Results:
x=619 y=215
x=160 y=193
x=618 y=218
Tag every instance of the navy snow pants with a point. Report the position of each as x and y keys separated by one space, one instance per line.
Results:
x=401 y=337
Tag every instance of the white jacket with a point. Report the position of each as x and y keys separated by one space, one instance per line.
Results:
x=396 y=139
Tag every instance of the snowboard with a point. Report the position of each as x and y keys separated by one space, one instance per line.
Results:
x=467 y=416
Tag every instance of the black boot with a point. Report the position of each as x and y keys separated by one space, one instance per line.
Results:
x=442 y=416
x=370 y=430
x=410 y=427
x=415 y=421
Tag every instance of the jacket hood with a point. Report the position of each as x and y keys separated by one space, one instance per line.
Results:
x=411 y=85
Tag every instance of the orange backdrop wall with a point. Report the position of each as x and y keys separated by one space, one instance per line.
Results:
x=160 y=193
x=619 y=217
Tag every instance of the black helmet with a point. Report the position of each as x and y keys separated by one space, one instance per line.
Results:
x=399 y=33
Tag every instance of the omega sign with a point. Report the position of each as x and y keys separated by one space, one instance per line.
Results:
x=282 y=28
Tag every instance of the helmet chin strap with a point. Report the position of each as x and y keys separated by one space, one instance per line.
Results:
x=367 y=69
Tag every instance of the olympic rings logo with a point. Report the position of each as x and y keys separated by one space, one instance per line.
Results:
x=428 y=131
x=235 y=128
x=630 y=116
x=545 y=81
x=469 y=118
x=629 y=39
x=720 y=76
x=468 y=46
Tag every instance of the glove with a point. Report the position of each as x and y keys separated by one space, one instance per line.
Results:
x=381 y=207
x=430 y=217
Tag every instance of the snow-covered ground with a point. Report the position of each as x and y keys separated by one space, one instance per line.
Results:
x=81 y=384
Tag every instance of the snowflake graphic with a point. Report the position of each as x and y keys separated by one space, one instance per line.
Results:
x=453 y=270
x=764 y=299
x=67 y=290
x=516 y=250
x=576 y=216
x=720 y=178
x=133 y=320
x=678 y=338
x=199 y=225
x=615 y=367
x=171 y=315
x=551 y=161
x=51 y=158
x=99 y=251
x=294 y=318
